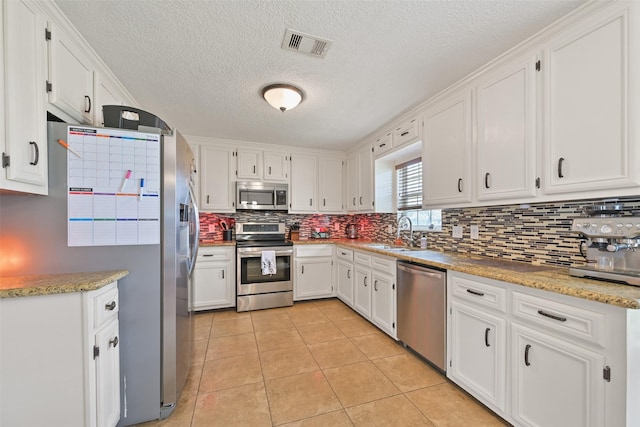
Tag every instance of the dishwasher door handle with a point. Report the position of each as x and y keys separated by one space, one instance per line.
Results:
x=419 y=271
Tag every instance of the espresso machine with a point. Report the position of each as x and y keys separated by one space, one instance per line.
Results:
x=611 y=246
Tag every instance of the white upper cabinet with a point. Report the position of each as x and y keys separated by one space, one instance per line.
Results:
x=360 y=180
x=591 y=100
x=330 y=184
x=383 y=143
x=249 y=163
x=506 y=153
x=24 y=142
x=70 y=77
x=406 y=132
x=275 y=166
x=304 y=175
x=446 y=151
x=217 y=192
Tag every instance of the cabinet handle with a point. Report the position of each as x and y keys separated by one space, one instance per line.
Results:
x=324 y=202
x=223 y=274
x=254 y=168
x=365 y=280
x=310 y=202
x=114 y=342
x=302 y=269
x=459 y=185
x=349 y=274
x=36 y=153
x=354 y=201
x=560 y=161
x=111 y=306
x=552 y=316
x=360 y=200
x=269 y=170
x=88 y=110
x=375 y=285
x=526 y=355
x=405 y=133
x=471 y=291
x=207 y=255
x=486 y=337
x=207 y=198
x=486 y=180
x=382 y=145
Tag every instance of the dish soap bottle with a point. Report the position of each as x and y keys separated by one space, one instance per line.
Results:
x=423 y=241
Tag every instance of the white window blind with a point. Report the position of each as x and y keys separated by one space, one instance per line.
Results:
x=409 y=179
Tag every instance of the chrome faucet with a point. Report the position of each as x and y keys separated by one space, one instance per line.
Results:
x=400 y=220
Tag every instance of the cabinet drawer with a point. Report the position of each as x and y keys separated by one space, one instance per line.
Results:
x=480 y=293
x=344 y=254
x=214 y=254
x=386 y=265
x=571 y=320
x=362 y=259
x=105 y=306
x=406 y=132
x=383 y=144
x=313 y=250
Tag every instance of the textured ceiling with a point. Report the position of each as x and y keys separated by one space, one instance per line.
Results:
x=200 y=65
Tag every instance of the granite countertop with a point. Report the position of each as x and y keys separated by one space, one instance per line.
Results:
x=211 y=243
x=553 y=279
x=48 y=284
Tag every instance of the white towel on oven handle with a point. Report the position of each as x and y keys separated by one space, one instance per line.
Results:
x=268 y=261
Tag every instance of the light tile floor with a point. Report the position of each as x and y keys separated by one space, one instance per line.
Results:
x=317 y=363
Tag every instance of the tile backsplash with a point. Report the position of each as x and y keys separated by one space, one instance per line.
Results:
x=533 y=233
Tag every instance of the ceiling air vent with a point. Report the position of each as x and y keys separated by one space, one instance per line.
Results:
x=305 y=43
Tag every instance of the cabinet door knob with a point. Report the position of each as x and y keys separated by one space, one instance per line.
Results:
x=111 y=306
x=114 y=342
x=526 y=355
x=36 y=153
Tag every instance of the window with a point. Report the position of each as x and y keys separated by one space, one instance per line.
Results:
x=409 y=197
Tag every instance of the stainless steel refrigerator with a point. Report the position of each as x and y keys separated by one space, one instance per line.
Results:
x=155 y=321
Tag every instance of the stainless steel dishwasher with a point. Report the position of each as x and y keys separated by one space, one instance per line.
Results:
x=422 y=311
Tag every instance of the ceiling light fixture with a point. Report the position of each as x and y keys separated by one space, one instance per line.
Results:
x=282 y=97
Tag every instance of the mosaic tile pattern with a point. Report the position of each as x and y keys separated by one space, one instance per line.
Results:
x=534 y=233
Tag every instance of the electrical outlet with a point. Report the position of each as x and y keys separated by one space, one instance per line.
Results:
x=474 y=232
x=212 y=228
x=457 y=232
x=390 y=229
x=336 y=226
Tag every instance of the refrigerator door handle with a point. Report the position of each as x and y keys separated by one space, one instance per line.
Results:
x=196 y=243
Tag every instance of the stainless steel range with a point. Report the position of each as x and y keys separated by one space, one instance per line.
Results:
x=256 y=288
x=611 y=246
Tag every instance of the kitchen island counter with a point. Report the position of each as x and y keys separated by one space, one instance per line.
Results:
x=49 y=284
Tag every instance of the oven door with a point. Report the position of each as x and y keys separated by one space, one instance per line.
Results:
x=251 y=281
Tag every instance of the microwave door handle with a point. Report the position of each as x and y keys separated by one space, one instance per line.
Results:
x=275 y=198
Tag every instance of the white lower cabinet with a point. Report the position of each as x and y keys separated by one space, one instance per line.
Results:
x=313 y=272
x=478 y=347
x=556 y=383
x=214 y=284
x=345 y=275
x=538 y=358
x=61 y=366
x=374 y=288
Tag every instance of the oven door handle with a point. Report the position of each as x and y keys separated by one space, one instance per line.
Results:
x=258 y=254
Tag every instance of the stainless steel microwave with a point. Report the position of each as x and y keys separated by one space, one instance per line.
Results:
x=264 y=196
